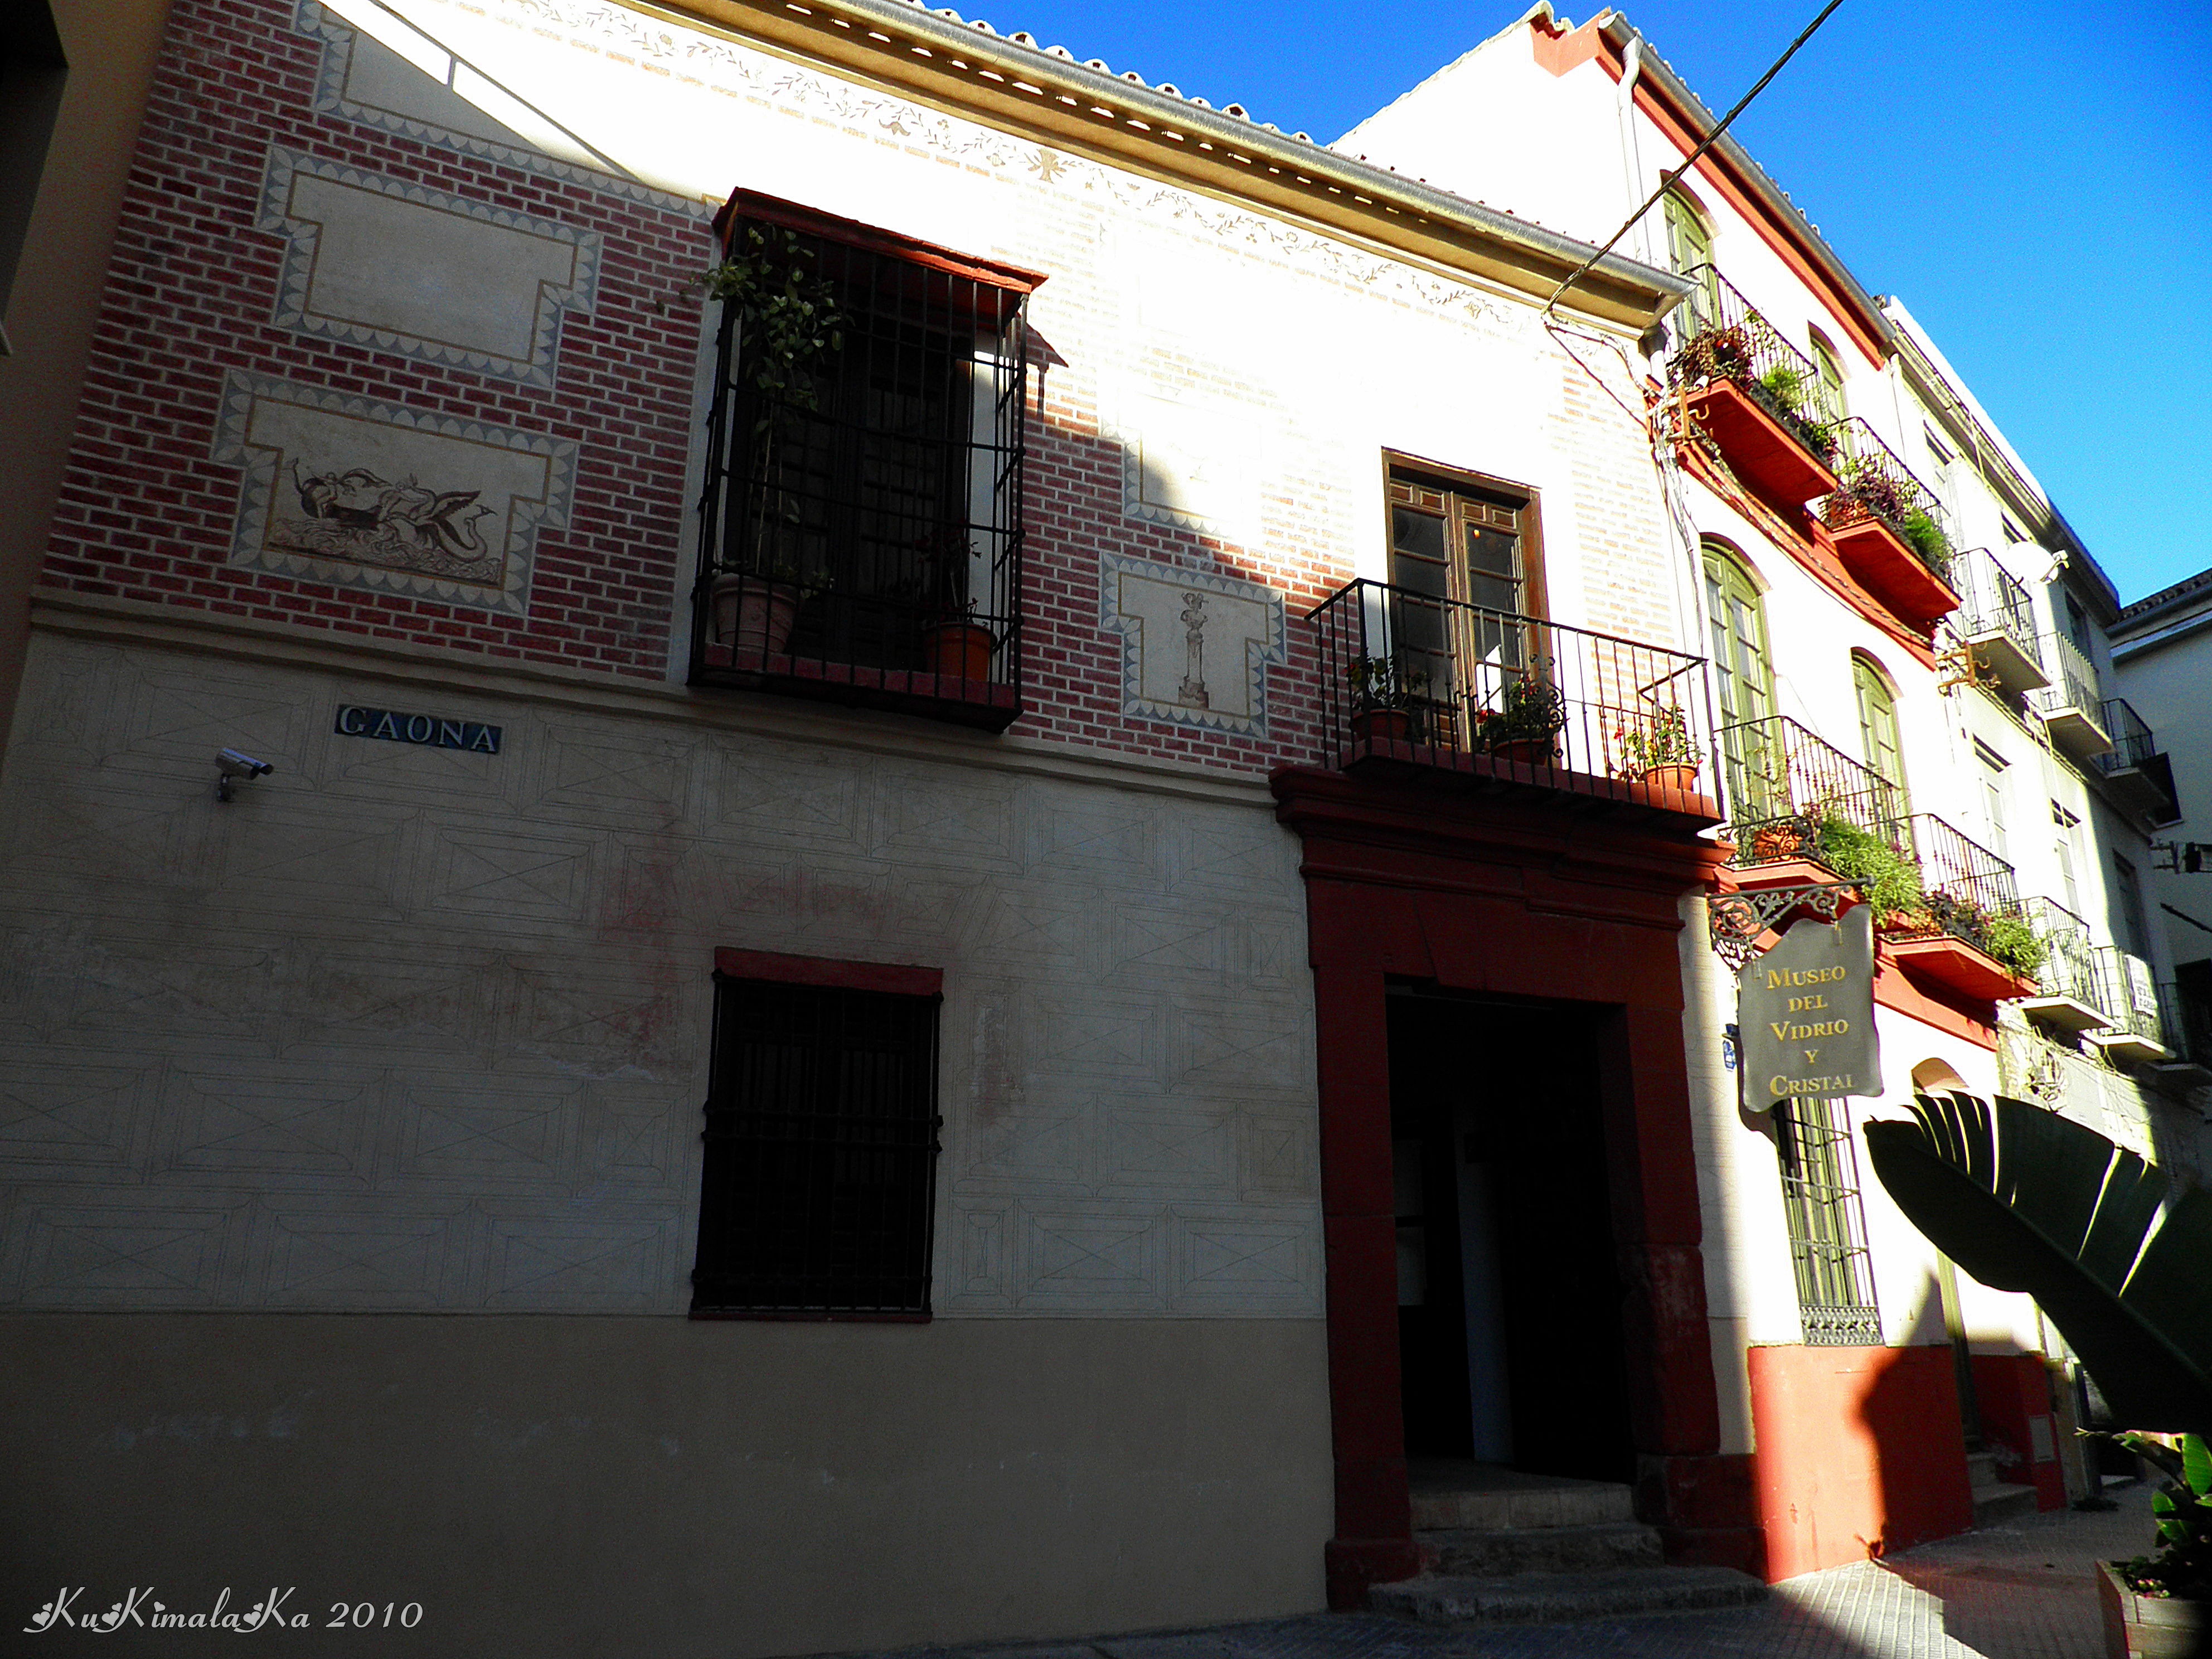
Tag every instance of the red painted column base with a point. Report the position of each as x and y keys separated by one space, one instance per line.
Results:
x=1353 y=1564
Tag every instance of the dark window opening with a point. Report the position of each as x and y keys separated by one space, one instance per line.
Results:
x=819 y=1178
x=1828 y=1225
x=33 y=74
x=862 y=528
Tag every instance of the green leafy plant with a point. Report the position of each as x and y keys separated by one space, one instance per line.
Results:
x=1662 y=740
x=1784 y=386
x=2110 y=1249
x=1530 y=710
x=2013 y=943
x=1386 y=683
x=1927 y=539
x=1891 y=876
x=2112 y=1252
x=790 y=326
x=2181 y=1566
x=789 y=315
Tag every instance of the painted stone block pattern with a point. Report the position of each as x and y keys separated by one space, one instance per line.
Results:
x=412 y=1027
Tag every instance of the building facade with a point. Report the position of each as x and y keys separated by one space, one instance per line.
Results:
x=486 y=705
x=1909 y=651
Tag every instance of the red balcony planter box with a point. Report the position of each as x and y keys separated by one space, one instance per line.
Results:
x=1879 y=558
x=1762 y=451
x=1950 y=961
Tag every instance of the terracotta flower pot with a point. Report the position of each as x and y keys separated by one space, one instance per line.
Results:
x=1684 y=778
x=754 y=616
x=1532 y=751
x=1381 y=726
x=959 y=650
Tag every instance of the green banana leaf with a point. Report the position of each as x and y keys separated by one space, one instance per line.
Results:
x=2118 y=1258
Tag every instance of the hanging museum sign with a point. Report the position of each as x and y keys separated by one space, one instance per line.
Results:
x=1806 y=1013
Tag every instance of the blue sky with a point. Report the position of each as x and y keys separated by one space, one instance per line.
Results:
x=2034 y=180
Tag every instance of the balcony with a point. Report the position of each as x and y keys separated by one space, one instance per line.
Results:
x=1757 y=397
x=2069 y=993
x=861 y=526
x=2138 y=1029
x=1496 y=701
x=1888 y=530
x=1784 y=784
x=2189 y=1066
x=1996 y=621
x=1967 y=930
x=2073 y=705
x=2139 y=776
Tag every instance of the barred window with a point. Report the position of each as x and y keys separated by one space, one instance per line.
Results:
x=1827 y=1227
x=819 y=1178
x=862 y=525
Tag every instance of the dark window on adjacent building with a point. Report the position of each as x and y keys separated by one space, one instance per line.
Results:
x=33 y=74
x=1827 y=1227
x=864 y=501
x=819 y=1178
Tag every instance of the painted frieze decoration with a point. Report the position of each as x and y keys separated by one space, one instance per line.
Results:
x=381 y=263
x=363 y=494
x=1196 y=647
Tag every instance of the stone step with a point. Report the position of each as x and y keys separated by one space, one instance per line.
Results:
x=1981 y=1469
x=1508 y=1503
x=1459 y=1553
x=1531 y=1598
x=1997 y=1502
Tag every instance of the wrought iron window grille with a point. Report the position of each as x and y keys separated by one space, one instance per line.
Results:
x=1828 y=1225
x=861 y=527
x=819 y=1185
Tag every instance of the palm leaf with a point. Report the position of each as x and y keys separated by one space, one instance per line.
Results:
x=2117 y=1258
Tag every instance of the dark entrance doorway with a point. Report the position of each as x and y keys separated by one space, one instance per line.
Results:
x=1510 y=1294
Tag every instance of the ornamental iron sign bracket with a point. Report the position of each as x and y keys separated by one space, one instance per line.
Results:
x=1739 y=918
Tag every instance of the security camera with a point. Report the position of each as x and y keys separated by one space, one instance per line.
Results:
x=230 y=766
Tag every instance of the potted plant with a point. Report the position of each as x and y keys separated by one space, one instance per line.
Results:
x=1889 y=877
x=789 y=326
x=2161 y=1603
x=1526 y=724
x=753 y=610
x=1659 y=751
x=954 y=644
x=1384 y=695
x=2113 y=1252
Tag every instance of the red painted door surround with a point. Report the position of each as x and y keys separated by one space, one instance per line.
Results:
x=1523 y=893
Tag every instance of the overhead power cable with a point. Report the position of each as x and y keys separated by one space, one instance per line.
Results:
x=1667 y=182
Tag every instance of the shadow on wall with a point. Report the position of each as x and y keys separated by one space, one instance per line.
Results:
x=1860 y=1452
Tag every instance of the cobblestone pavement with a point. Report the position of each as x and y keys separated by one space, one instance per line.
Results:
x=2026 y=1590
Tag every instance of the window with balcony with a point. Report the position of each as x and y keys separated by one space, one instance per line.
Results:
x=819 y=1174
x=1690 y=252
x=861 y=526
x=1451 y=663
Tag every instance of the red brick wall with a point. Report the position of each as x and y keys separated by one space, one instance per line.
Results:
x=146 y=513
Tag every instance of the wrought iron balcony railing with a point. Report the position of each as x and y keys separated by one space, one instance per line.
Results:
x=1729 y=340
x=2077 y=688
x=1875 y=484
x=1967 y=889
x=1783 y=781
x=2133 y=741
x=2131 y=999
x=1991 y=600
x=2069 y=961
x=1416 y=677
